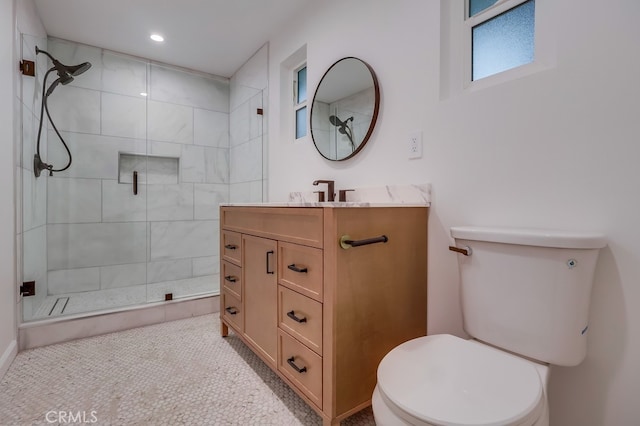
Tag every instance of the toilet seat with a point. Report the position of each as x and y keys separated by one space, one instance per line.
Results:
x=446 y=380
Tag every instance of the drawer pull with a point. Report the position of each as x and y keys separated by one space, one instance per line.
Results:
x=293 y=316
x=293 y=365
x=231 y=310
x=231 y=246
x=231 y=278
x=294 y=268
x=270 y=252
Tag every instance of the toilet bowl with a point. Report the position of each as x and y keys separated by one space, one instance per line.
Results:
x=445 y=380
x=525 y=297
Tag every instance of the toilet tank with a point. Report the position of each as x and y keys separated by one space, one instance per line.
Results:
x=528 y=291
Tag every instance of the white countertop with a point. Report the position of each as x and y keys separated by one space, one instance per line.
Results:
x=330 y=204
x=381 y=196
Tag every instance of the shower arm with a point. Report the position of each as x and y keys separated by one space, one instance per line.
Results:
x=54 y=60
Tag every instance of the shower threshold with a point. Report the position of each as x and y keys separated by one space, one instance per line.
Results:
x=89 y=302
x=63 y=328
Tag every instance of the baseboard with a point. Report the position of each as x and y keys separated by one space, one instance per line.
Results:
x=7 y=357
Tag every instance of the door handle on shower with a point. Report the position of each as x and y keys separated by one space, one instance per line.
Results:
x=135 y=182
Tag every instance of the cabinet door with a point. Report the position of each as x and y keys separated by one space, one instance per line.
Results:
x=261 y=294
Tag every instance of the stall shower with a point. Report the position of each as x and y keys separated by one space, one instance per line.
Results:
x=133 y=219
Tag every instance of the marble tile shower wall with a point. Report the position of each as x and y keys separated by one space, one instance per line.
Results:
x=31 y=214
x=99 y=235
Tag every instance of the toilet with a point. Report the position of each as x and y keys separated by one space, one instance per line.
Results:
x=525 y=297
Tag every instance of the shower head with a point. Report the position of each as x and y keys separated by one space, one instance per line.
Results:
x=65 y=72
x=343 y=128
x=76 y=70
x=341 y=125
x=65 y=76
x=337 y=122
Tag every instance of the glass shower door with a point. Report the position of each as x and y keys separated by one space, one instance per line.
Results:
x=92 y=242
x=188 y=130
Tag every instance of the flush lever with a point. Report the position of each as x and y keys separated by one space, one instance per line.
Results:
x=466 y=250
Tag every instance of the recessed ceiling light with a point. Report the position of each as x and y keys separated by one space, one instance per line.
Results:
x=156 y=37
x=143 y=94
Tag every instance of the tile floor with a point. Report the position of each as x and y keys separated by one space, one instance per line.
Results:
x=175 y=373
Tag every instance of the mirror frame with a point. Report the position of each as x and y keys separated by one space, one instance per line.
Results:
x=374 y=118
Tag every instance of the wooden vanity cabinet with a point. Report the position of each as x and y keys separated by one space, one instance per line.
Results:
x=260 y=294
x=322 y=316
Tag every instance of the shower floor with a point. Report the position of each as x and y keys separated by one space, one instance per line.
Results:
x=100 y=300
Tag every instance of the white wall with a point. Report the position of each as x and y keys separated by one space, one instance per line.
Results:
x=558 y=149
x=8 y=106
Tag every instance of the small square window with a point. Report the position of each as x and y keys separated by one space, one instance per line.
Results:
x=302 y=85
x=503 y=42
x=301 y=122
x=477 y=6
x=300 y=100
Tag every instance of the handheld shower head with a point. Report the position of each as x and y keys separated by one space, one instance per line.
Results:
x=335 y=121
x=65 y=72
x=343 y=128
x=65 y=76
x=76 y=70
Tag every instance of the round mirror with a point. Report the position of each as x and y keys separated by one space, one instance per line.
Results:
x=345 y=109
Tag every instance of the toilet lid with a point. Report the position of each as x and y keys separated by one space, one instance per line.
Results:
x=442 y=379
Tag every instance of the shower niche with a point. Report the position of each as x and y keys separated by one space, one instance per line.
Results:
x=136 y=215
x=143 y=168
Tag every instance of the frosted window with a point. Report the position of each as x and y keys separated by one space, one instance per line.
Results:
x=302 y=85
x=477 y=6
x=503 y=42
x=301 y=122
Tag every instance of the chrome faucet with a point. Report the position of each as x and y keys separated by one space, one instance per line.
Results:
x=331 y=196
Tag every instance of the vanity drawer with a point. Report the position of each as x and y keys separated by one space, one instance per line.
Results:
x=232 y=279
x=300 y=269
x=302 y=366
x=232 y=311
x=300 y=225
x=231 y=247
x=301 y=317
